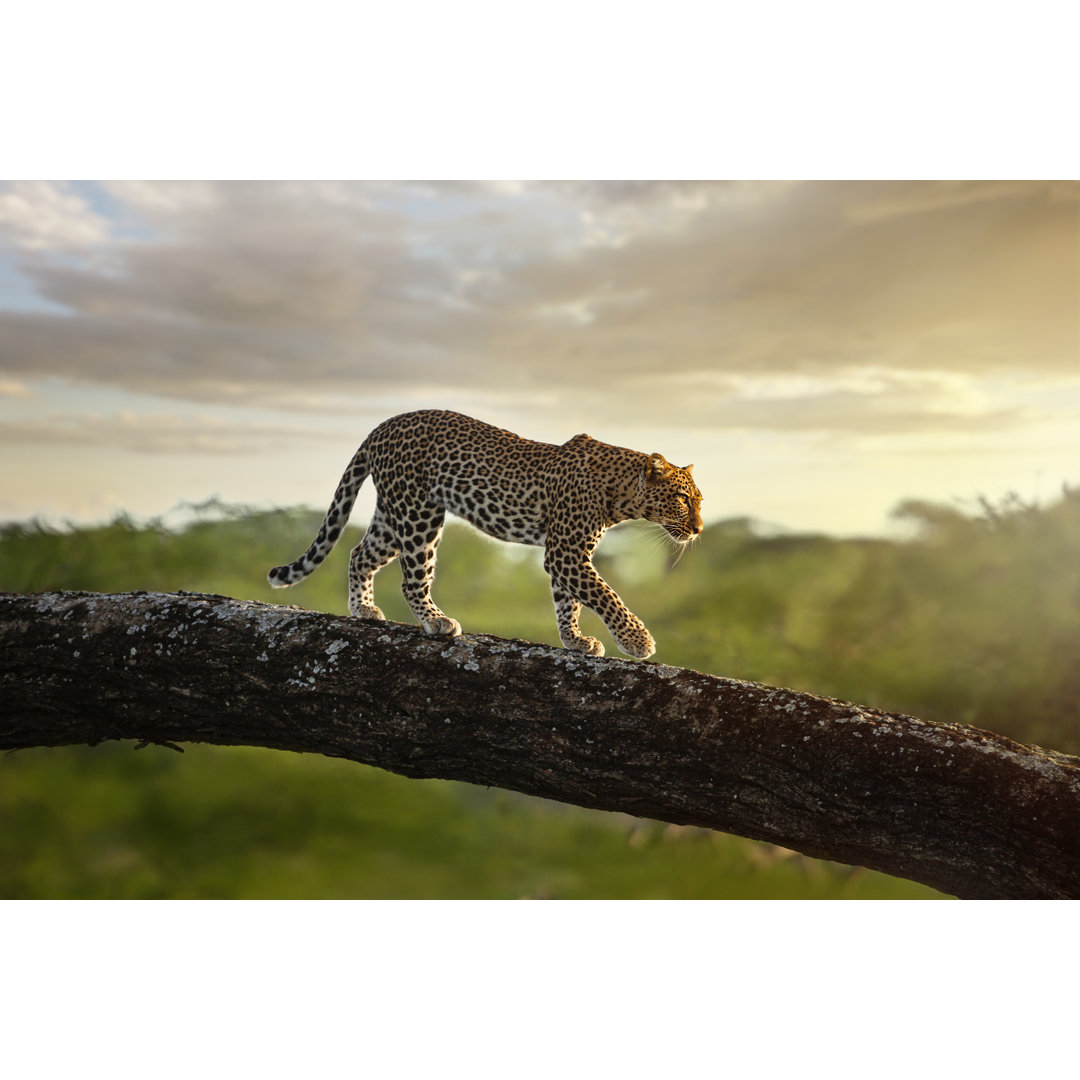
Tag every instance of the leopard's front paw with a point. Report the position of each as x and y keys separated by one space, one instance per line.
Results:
x=637 y=643
x=587 y=645
x=441 y=626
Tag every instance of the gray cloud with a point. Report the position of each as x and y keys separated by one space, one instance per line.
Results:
x=802 y=282
x=253 y=292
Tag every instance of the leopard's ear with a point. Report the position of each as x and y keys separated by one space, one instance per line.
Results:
x=688 y=469
x=657 y=468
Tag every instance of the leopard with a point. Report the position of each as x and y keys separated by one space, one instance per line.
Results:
x=563 y=498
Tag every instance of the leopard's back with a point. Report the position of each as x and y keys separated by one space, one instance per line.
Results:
x=491 y=477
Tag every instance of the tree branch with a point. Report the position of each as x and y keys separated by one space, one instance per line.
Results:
x=967 y=811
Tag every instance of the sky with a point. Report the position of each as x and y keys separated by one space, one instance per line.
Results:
x=818 y=350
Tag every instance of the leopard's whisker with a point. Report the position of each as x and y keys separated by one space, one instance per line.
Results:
x=682 y=551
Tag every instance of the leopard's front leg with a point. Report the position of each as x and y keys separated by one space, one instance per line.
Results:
x=575 y=582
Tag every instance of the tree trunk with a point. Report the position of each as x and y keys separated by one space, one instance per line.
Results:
x=967 y=811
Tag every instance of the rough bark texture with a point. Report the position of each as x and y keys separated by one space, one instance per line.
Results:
x=967 y=811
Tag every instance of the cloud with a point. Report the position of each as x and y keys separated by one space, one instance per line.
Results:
x=857 y=402
x=794 y=283
x=260 y=293
x=883 y=200
x=41 y=216
x=156 y=434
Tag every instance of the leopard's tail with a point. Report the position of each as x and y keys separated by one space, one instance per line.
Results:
x=332 y=527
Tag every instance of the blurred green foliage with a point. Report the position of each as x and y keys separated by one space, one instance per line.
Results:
x=974 y=619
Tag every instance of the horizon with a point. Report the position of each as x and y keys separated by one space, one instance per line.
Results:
x=906 y=522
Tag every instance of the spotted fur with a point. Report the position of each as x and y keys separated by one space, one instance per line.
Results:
x=562 y=498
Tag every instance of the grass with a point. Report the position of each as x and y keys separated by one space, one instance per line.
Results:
x=236 y=823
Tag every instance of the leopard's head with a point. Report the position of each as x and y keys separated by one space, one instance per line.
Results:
x=671 y=498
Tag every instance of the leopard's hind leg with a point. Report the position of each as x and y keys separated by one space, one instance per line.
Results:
x=418 y=534
x=379 y=548
x=567 y=613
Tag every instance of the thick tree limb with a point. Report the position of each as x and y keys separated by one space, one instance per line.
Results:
x=969 y=812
